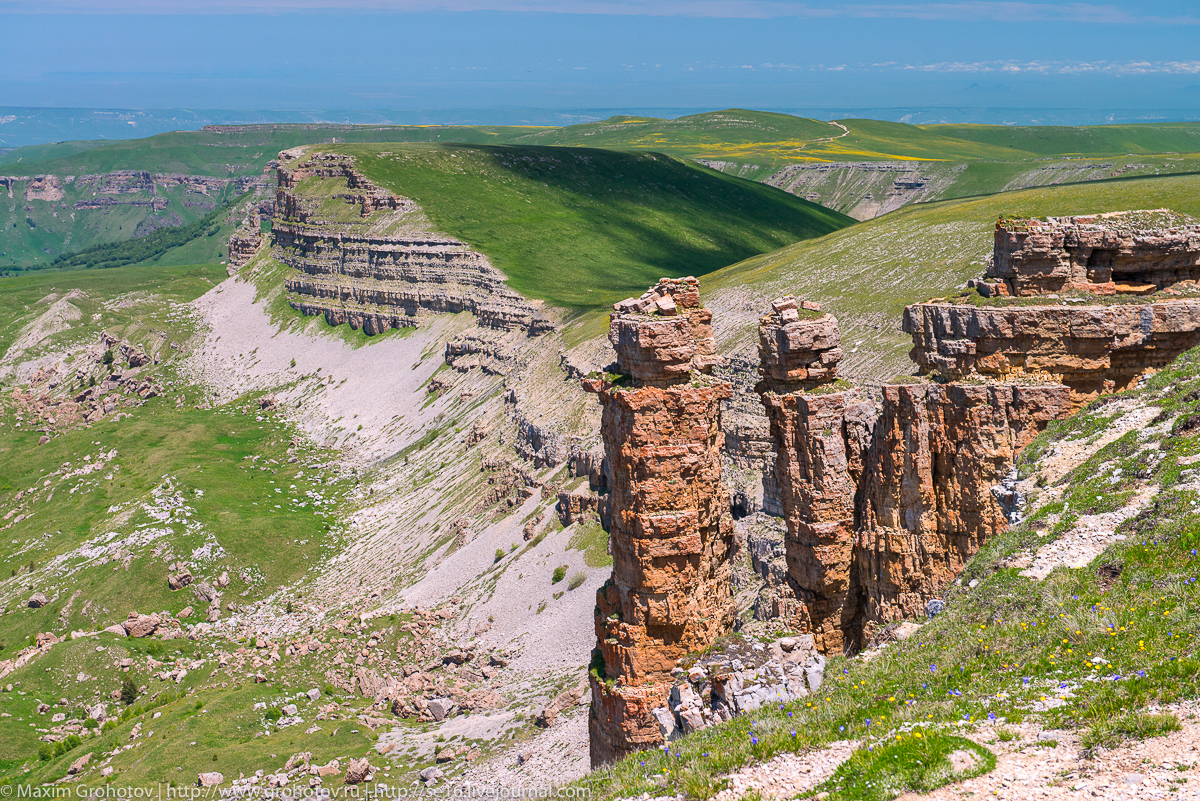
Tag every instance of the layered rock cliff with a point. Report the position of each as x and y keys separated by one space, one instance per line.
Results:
x=1035 y=312
x=671 y=533
x=1104 y=254
x=361 y=255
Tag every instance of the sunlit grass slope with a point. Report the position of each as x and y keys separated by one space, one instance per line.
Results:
x=581 y=228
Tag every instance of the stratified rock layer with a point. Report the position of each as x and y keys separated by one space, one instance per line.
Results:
x=669 y=593
x=1089 y=348
x=375 y=269
x=245 y=242
x=796 y=343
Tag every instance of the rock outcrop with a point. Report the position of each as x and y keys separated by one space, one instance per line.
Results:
x=669 y=593
x=1058 y=332
x=245 y=242
x=1091 y=349
x=1103 y=254
x=886 y=497
x=379 y=268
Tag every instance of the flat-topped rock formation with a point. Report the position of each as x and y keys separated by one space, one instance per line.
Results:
x=670 y=591
x=1039 y=316
x=1105 y=254
x=377 y=266
x=885 y=496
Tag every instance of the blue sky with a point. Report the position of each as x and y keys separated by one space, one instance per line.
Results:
x=430 y=54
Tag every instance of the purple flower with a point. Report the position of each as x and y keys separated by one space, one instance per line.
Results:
x=754 y=741
x=991 y=715
x=933 y=668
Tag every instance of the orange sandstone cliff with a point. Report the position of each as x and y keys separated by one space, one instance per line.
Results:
x=671 y=533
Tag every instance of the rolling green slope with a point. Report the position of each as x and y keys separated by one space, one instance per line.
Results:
x=241 y=151
x=941 y=161
x=1095 y=140
x=581 y=228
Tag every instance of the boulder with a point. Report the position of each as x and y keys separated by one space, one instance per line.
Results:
x=440 y=708
x=567 y=698
x=210 y=779
x=359 y=771
x=142 y=625
x=38 y=600
x=79 y=764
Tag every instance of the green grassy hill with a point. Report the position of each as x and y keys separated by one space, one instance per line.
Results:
x=749 y=144
x=243 y=151
x=1095 y=140
x=582 y=228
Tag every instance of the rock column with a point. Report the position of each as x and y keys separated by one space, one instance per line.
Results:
x=884 y=502
x=821 y=436
x=669 y=593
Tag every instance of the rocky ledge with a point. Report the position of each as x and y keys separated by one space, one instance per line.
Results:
x=1091 y=349
x=378 y=268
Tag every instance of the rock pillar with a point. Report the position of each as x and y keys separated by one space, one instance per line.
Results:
x=669 y=593
x=821 y=436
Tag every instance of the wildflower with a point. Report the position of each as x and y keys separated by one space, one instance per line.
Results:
x=754 y=741
x=991 y=716
x=933 y=668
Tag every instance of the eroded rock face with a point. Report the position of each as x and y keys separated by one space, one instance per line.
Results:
x=886 y=497
x=821 y=445
x=377 y=271
x=244 y=243
x=927 y=494
x=1061 y=336
x=671 y=532
x=1104 y=254
x=1091 y=349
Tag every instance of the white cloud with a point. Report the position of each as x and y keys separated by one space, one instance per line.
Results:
x=1064 y=67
